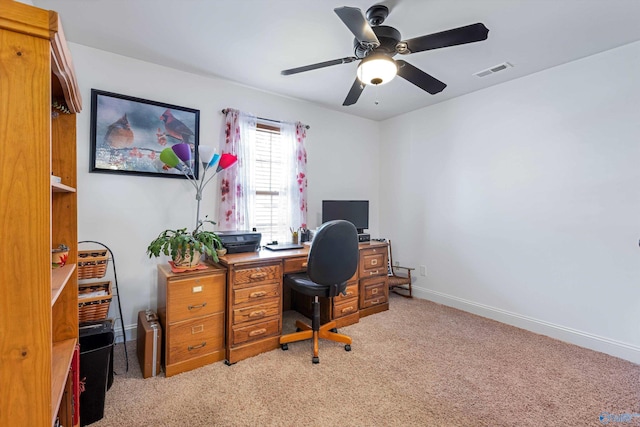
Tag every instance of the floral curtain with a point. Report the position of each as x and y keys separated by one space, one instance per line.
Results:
x=235 y=193
x=237 y=188
x=298 y=193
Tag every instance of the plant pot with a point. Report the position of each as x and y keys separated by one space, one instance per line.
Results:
x=59 y=257
x=186 y=261
x=221 y=251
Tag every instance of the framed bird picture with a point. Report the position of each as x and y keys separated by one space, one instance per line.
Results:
x=128 y=134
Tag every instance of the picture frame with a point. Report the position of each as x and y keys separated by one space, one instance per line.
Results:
x=128 y=134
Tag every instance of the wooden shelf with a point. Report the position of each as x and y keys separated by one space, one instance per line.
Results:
x=36 y=357
x=57 y=187
x=61 y=357
x=59 y=278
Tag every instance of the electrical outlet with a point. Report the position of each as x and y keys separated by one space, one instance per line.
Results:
x=423 y=270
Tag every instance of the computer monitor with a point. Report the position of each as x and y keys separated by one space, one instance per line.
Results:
x=354 y=211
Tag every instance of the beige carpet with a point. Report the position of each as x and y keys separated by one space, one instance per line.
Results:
x=418 y=364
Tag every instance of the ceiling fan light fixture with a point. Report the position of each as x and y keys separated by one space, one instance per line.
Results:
x=377 y=69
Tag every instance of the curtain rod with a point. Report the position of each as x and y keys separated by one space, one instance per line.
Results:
x=224 y=111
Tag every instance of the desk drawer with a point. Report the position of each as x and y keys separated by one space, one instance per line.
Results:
x=198 y=296
x=352 y=291
x=256 y=294
x=243 y=334
x=374 y=291
x=254 y=275
x=256 y=312
x=195 y=338
x=373 y=262
x=345 y=307
x=372 y=302
x=294 y=265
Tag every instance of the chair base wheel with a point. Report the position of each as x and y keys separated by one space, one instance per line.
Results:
x=315 y=360
x=347 y=347
x=284 y=347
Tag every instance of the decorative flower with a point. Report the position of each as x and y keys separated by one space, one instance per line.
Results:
x=224 y=187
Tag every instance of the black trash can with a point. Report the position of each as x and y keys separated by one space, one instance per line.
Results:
x=96 y=368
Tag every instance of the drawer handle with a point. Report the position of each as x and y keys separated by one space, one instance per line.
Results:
x=258 y=275
x=304 y=264
x=257 y=332
x=192 y=307
x=347 y=309
x=257 y=294
x=195 y=347
x=255 y=314
x=374 y=291
x=372 y=273
x=374 y=262
x=348 y=294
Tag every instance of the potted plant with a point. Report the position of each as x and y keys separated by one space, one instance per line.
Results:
x=59 y=256
x=186 y=248
x=220 y=250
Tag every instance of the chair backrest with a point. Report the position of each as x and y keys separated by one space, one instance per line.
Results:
x=333 y=257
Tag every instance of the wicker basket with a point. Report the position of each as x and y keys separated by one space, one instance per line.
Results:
x=95 y=307
x=92 y=264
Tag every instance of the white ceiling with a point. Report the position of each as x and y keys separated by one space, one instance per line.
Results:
x=251 y=41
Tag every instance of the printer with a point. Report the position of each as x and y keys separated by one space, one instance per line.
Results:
x=239 y=241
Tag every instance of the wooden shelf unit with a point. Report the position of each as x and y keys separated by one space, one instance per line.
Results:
x=59 y=279
x=61 y=355
x=61 y=188
x=38 y=305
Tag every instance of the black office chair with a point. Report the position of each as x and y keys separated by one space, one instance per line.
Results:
x=333 y=259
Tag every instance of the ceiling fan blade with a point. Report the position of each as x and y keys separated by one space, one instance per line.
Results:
x=456 y=36
x=318 y=65
x=419 y=78
x=354 y=93
x=358 y=25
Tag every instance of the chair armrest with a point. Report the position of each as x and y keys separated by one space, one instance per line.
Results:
x=405 y=268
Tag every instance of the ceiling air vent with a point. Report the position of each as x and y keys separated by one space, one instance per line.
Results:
x=493 y=70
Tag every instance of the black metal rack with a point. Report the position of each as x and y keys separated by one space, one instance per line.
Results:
x=116 y=294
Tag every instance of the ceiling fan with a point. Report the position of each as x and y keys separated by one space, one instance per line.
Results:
x=375 y=45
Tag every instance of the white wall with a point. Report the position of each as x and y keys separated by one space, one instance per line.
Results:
x=127 y=212
x=524 y=199
x=521 y=200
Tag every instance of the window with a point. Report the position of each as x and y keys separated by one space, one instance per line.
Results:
x=268 y=175
x=267 y=190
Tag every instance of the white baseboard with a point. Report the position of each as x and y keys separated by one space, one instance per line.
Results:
x=583 y=339
x=131 y=331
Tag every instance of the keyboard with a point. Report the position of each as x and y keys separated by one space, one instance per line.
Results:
x=284 y=246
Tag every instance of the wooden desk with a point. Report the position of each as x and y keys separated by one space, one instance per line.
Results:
x=255 y=296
